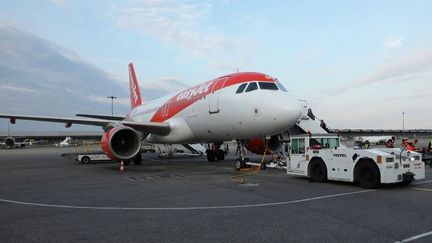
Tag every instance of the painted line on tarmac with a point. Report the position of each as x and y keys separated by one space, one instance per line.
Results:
x=421 y=182
x=416 y=237
x=421 y=189
x=185 y=208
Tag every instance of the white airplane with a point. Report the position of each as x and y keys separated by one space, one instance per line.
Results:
x=378 y=140
x=65 y=143
x=238 y=106
x=10 y=142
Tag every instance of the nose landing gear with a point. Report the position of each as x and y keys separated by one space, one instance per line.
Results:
x=241 y=161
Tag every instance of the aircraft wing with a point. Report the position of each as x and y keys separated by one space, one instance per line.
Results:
x=114 y=118
x=159 y=128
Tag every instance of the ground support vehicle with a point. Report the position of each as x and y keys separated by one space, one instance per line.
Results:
x=88 y=157
x=427 y=158
x=321 y=158
x=276 y=162
x=148 y=148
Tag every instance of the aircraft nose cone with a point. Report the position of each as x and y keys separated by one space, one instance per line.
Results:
x=292 y=112
x=288 y=112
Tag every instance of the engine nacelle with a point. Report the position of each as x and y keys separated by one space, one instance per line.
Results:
x=121 y=142
x=9 y=142
x=257 y=145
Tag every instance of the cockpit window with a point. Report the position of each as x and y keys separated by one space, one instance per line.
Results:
x=241 y=88
x=252 y=86
x=267 y=85
x=281 y=87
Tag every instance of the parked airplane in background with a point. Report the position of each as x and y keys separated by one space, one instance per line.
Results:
x=65 y=143
x=378 y=140
x=10 y=142
x=239 y=106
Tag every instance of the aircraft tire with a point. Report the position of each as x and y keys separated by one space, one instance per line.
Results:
x=239 y=164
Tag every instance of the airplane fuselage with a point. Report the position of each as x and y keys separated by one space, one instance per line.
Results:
x=216 y=110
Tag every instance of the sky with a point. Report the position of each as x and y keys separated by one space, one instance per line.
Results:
x=359 y=64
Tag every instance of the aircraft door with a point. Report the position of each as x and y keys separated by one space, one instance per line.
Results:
x=214 y=95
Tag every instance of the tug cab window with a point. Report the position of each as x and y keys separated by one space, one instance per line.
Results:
x=267 y=85
x=251 y=87
x=298 y=146
x=324 y=143
x=241 y=88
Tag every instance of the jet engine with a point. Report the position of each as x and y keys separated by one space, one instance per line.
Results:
x=258 y=145
x=9 y=142
x=121 y=142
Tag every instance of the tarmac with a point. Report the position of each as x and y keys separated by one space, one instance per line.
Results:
x=48 y=198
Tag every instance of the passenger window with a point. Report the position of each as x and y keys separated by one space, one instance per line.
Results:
x=252 y=86
x=241 y=88
x=267 y=85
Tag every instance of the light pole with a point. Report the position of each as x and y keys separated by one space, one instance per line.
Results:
x=112 y=103
x=403 y=122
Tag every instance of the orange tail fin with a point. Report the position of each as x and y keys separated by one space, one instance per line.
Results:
x=135 y=93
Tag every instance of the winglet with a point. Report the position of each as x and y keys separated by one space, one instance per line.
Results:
x=135 y=93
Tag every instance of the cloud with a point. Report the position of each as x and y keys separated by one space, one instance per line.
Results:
x=310 y=55
x=41 y=78
x=393 y=42
x=105 y=100
x=166 y=84
x=390 y=45
x=15 y=89
x=176 y=23
x=60 y=3
x=407 y=68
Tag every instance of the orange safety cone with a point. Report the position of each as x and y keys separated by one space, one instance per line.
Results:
x=122 y=167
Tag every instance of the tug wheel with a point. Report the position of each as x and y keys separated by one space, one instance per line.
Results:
x=317 y=171
x=85 y=160
x=367 y=174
